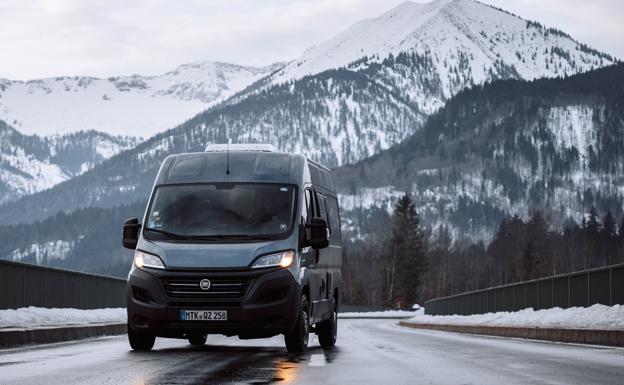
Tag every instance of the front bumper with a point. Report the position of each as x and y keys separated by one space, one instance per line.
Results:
x=267 y=306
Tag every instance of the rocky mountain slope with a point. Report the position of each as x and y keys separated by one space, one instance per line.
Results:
x=29 y=163
x=503 y=149
x=59 y=128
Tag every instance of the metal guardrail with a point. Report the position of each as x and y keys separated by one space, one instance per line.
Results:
x=23 y=285
x=603 y=285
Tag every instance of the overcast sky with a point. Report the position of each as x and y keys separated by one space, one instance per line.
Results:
x=41 y=38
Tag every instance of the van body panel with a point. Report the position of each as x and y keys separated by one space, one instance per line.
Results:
x=201 y=256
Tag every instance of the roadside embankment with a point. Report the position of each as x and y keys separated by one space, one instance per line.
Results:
x=14 y=337
x=36 y=325
x=597 y=324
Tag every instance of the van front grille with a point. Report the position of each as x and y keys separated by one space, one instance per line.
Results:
x=204 y=304
x=220 y=287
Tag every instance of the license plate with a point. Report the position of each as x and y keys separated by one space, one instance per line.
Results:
x=203 y=315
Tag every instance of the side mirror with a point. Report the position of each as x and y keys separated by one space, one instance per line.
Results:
x=318 y=234
x=131 y=229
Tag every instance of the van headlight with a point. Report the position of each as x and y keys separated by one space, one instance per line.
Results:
x=143 y=259
x=283 y=259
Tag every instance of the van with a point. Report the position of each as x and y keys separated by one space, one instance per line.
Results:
x=237 y=240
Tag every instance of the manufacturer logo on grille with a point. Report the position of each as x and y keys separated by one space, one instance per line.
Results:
x=204 y=284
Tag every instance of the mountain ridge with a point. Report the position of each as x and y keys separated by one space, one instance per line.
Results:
x=414 y=26
x=503 y=149
x=122 y=105
x=30 y=163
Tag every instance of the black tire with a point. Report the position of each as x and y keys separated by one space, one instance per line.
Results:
x=297 y=339
x=328 y=330
x=140 y=341
x=197 y=339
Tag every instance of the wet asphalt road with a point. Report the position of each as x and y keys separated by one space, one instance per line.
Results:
x=368 y=352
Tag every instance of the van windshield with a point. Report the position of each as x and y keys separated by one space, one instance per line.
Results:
x=244 y=211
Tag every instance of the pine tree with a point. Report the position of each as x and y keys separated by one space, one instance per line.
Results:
x=537 y=229
x=404 y=259
x=353 y=291
x=593 y=223
x=529 y=261
x=592 y=239
x=608 y=239
x=609 y=227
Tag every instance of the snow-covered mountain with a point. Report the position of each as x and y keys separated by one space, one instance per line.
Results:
x=499 y=150
x=419 y=53
x=465 y=41
x=421 y=56
x=139 y=106
x=29 y=163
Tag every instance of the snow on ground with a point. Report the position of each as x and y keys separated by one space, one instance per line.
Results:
x=382 y=314
x=29 y=317
x=594 y=317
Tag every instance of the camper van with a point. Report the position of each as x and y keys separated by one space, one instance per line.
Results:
x=238 y=240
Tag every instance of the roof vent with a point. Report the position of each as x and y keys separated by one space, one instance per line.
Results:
x=240 y=147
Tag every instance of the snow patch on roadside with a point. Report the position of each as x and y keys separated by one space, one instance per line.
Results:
x=30 y=317
x=593 y=317
x=382 y=314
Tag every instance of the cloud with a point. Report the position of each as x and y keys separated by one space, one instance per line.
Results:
x=68 y=37
x=42 y=38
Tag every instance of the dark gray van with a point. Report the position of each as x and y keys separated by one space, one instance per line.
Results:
x=240 y=241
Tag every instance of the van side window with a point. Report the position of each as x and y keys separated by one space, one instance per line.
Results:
x=322 y=206
x=334 y=221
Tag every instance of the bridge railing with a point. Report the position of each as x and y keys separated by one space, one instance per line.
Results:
x=23 y=285
x=603 y=285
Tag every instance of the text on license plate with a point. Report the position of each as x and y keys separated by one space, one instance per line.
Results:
x=203 y=315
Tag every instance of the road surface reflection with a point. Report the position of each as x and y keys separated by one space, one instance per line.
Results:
x=223 y=364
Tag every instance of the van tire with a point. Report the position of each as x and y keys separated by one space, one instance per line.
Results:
x=197 y=339
x=140 y=341
x=297 y=339
x=328 y=330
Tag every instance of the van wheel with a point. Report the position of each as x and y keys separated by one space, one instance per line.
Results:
x=297 y=339
x=197 y=339
x=140 y=341
x=328 y=330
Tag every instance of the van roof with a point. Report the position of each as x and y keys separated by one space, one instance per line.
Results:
x=240 y=147
x=232 y=166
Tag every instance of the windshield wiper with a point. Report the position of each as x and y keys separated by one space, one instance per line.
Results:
x=211 y=237
x=235 y=236
x=167 y=233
